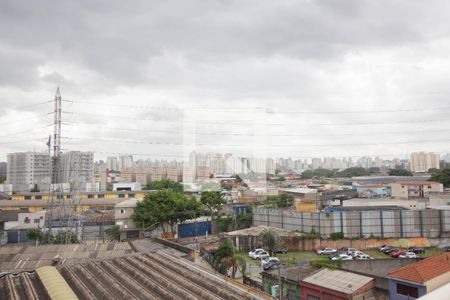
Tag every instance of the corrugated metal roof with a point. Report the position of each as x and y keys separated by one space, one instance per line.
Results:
x=341 y=281
x=55 y=285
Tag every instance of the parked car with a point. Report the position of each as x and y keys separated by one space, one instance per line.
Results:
x=382 y=248
x=261 y=255
x=255 y=251
x=269 y=259
x=341 y=256
x=388 y=249
x=407 y=255
x=326 y=251
x=363 y=257
x=356 y=253
x=396 y=252
x=271 y=265
x=280 y=251
x=319 y=248
x=352 y=251
x=417 y=250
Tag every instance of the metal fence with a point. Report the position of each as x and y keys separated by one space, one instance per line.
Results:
x=428 y=223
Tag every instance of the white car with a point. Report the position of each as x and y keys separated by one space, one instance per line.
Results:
x=352 y=250
x=261 y=255
x=363 y=257
x=326 y=251
x=408 y=255
x=356 y=253
x=269 y=259
x=342 y=256
x=255 y=251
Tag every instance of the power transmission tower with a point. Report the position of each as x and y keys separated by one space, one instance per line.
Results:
x=57 y=197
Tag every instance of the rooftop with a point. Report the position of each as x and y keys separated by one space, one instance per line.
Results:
x=424 y=270
x=138 y=276
x=300 y=191
x=294 y=274
x=29 y=257
x=416 y=182
x=128 y=203
x=341 y=281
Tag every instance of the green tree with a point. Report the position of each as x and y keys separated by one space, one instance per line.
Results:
x=352 y=172
x=165 y=207
x=319 y=173
x=223 y=223
x=65 y=237
x=283 y=200
x=270 y=239
x=114 y=233
x=244 y=220
x=165 y=184
x=399 y=172
x=2 y=179
x=226 y=258
x=213 y=201
x=442 y=176
x=35 y=234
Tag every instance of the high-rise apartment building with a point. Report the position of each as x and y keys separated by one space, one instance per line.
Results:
x=423 y=161
x=29 y=171
x=125 y=162
x=112 y=163
x=76 y=168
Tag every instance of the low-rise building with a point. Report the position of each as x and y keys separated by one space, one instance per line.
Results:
x=336 y=284
x=415 y=189
x=415 y=280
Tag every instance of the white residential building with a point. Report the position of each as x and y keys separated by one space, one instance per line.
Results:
x=29 y=170
x=423 y=161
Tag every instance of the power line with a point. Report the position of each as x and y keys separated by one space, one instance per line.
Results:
x=268 y=109
x=246 y=122
x=23 y=107
x=25 y=119
x=123 y=141
x=252 y=134
x=24 y=131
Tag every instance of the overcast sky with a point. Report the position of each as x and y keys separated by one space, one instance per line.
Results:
x=275 y=78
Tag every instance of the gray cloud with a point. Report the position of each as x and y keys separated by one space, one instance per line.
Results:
x=287 y=56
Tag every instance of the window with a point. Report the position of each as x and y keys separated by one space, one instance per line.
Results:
x=27 y=220
x=121 y=195
x=407 y=290
x=90 y=196
x=122 y=211
x=38 y=197
x=36 y=220
x=27 y=197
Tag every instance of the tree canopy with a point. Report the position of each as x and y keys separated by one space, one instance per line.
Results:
x=226 y=259
x=270 y=240
x=442 y=176
x=283 y=200
x=164 y=184
x=308 y=174
x=399 y=172
x=213 y=201
x=165 y=207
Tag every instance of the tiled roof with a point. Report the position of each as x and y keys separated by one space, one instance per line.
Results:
x=341 y=281
x=424 y=270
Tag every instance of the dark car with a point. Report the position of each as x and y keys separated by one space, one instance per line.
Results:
x=280 y=251
x=271 y=265
x=388 y=250
x=417 y=250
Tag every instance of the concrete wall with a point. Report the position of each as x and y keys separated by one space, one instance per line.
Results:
x=360 y=224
